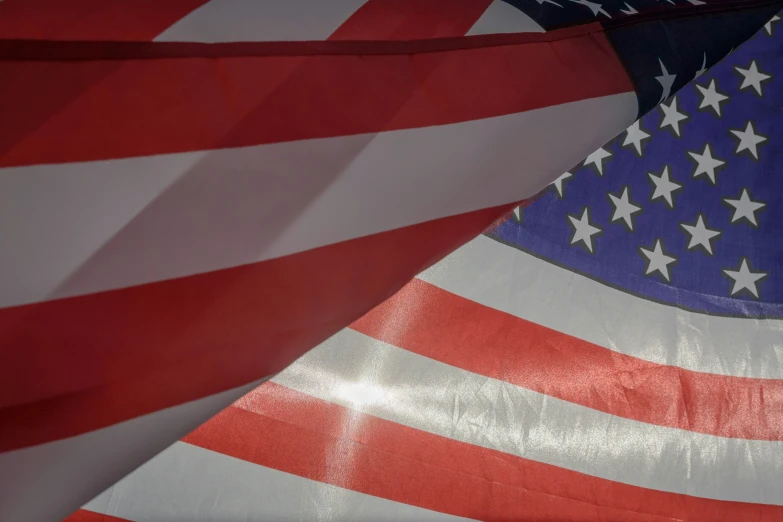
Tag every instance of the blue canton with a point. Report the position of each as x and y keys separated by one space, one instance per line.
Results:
x=683 y=45
x=686 y=206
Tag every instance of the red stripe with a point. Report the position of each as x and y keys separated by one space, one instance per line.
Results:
x=329 y=443
x=105 y=109
x=91 y=19
x=84 y=515
x=468 y=335
x=78 y=364
x=411 y=19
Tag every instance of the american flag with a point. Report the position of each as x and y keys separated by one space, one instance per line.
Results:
x=194 y=195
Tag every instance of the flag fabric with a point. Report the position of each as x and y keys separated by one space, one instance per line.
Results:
x=194 y=195
x=615 y=363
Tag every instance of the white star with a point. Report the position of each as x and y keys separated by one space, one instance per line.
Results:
x=752 y=77
x=748 y=140
x=768 y=25
x=658 y=260
x=583 y=230
x=664 y=187
x=672 y=117
x=518 y=213
x=705 y=163
x=710 y=97
x=635 y=136
x=745 y=208
x=703 y=67
x=623 y=208
x=597 y=159
x=744 y=279
x=558 y=183
x=628 y=11
x=666 y=80
x=700 y=235
x=593 y=6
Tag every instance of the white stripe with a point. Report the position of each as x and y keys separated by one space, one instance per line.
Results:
x=190 y=483
x=364 y=374
x=501 y=17
x=261 y=21
x=507 y=279
x=50 y=481
x=77 y=228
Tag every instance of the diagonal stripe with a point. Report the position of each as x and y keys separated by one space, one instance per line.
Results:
x=170 y=216
x=427 y=320
x=153 y=346
x=359 y=372
x=116 y=109
x=411 y=19
x=261 y=21
x=320 y=440
x=524 y=286
x=90 y=19
x=189 y=483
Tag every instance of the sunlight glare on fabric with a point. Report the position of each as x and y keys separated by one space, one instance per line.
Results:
x=360 y=393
